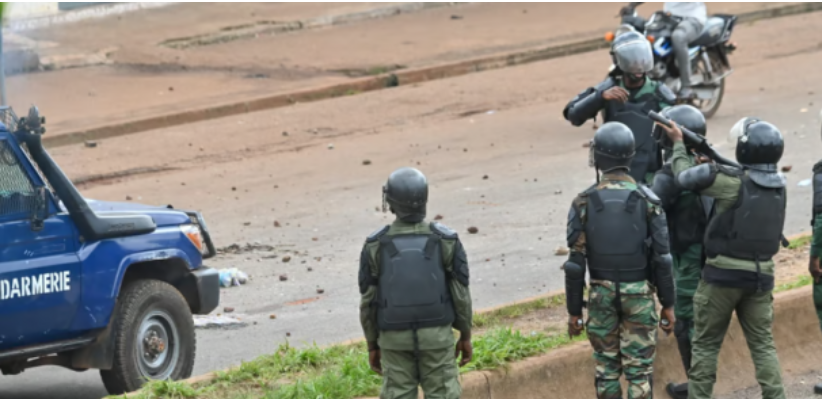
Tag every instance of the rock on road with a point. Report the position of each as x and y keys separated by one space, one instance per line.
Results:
x=506 y=124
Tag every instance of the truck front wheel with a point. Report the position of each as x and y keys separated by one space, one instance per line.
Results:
x=153 y=335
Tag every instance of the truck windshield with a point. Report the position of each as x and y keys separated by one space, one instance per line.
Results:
x=17 y=194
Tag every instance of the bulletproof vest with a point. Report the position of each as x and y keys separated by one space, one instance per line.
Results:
x=616 y=235
x=752 y=228
x=413 y=291
x=817 y=193
x=634 y=114
x=687 y=219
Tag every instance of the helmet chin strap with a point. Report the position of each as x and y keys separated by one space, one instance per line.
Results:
x=384 y=204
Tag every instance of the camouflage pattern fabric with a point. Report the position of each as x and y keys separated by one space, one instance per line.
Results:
x=623 y=333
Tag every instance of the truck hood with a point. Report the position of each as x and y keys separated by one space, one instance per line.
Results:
x=162 y=216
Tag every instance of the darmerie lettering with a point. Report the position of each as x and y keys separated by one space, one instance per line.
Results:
x=38 y=284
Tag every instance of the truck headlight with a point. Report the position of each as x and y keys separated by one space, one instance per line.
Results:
x=194 y=235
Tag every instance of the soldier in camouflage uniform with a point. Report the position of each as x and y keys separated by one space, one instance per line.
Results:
x=688 y=214
x=413 y=280
x=618 y=229
x=816 y=247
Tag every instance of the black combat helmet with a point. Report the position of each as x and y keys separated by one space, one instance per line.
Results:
x=406 y=193
x=759 y=144
x=686 y=116
x=632 y=53
x=613 y=147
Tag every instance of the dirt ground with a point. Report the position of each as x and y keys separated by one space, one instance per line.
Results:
x=303 y=167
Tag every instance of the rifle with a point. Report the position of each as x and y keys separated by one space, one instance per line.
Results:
x=699 y=143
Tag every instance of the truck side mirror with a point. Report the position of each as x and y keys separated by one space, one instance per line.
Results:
x=39 y=213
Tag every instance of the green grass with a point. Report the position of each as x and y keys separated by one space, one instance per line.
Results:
x=800 y=282
x=496 y=317
x=800 y=242
x=340 y=371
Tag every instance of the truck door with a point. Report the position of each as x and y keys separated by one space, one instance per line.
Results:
x=40 y=282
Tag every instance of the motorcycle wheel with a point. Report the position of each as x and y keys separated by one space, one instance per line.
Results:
x=709 y=107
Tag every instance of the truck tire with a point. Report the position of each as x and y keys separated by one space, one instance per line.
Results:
x=153 y=336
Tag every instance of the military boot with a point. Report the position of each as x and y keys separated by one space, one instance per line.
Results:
x=677 y=391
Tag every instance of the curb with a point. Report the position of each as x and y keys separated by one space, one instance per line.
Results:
x=267 y=28
x=373 y=83
x=91 y=12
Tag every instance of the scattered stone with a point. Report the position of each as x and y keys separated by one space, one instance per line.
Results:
x=233 y=188
x=91 y=144
x=376 y=209
x=128 y=198
x=586 y=144
x=557 y=192
x=535 y=179
x=485 y=177
x=487 y=259
x=464 y=150
x=438 y=217
x=276 y=224
x=473 y=230
x=787 y=168
x=286 y=259
x=314 y=238
x=761 y=89
x=456 y=16
x=247 y=224
x=285 y=133
x=228 y=309
x=272 y=317
x=283 y=277
x=288 y=334
x=310 y=269
x=320 y=291
x=561 y=250
x=331 y=146
x=366 y=162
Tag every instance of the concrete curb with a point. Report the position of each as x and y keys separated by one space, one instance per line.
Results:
x=304 y=24
x=568 y=372
x=373 y=83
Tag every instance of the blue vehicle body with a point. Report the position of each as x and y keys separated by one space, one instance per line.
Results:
x=58 y=286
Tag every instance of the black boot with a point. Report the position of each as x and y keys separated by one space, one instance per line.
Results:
x=817 y=389
x=677 y=391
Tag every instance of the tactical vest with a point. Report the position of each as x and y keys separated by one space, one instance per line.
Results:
x=687 y=218
x=634 y=114
x=413 y=291
x=817 y=190
x=616 y=235
x=752 y=228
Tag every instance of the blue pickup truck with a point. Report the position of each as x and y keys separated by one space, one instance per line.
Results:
x=90 y=284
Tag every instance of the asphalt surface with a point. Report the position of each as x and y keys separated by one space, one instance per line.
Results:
x=534 y=162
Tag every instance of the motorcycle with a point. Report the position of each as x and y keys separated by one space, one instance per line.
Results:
x=708 y=54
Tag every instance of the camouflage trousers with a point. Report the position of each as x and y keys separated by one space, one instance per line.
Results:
x=817 y=301
x=623 y=332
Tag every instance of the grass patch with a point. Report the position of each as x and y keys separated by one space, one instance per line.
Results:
x=339 y=371
x=800 y=242
x=800 y=282
x=498 y=316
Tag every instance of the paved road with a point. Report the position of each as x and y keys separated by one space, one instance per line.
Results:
x=796 y=387
x=534 y=162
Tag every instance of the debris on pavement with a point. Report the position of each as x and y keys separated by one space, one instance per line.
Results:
x=586 y=144
x=287 y=334
x=232 y=277
x=557 y=192
x=473 y=230
x=485 y=177
x=286 y=259
x=285 y=133
x=366 y=162
x=215 y=321
x=456 y=16
x=91 y=144
x=272 y=317
x=320 y=291
x=283 y=277
x=310 y=269
x=438 y=217
x=787 y=168
x=276 y=224
x=804 y=183
x=228 y=309
x=331 y=146
x=561 y=250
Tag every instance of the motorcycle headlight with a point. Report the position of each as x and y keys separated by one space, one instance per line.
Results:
x=193 y=233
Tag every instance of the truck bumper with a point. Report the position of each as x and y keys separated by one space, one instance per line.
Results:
x=207 y=281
